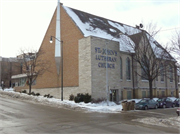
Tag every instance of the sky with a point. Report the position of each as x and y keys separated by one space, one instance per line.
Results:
x=23 y=23
x=93 y=107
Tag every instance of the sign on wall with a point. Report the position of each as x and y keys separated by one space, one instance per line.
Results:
x=101 y=57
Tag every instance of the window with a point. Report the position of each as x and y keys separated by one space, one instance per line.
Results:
x=156 y=73
x=157 y=78
x=171 y=73
x=129 y=95
x=168 y=100
x=128 y=69
x=22 y=81
x=144 y=68
x=162 y=72
x=121 y=95
x=172 y=93
x=143 y=94
x=157 y=93
x=163 y=93
x=34 y=82
x=121 y=73
x=148 y=93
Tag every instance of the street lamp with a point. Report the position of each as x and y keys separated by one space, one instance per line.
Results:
x=107 y=85
x=51 y=41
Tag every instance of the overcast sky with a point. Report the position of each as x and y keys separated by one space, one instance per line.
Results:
x=23 y=23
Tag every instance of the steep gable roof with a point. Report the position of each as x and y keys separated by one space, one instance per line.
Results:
x=92 y=25
x=97 y=26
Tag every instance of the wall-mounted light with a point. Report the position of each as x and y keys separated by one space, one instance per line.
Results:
x=51 y=41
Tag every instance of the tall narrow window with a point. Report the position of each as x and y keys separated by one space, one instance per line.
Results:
x=171 y=73
x=144 y=68
x=162 y=72
x=121 y=73
x=143 y=94
x=129 y=96
x=128 y=69
x=156 y=73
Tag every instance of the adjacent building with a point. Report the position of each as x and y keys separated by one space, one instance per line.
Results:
x=9 y=67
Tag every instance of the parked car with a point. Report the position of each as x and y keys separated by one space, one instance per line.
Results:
x=177 y=102
x=146 y=103
x=165 y=102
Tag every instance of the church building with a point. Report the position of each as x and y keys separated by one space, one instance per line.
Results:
x=95 y=60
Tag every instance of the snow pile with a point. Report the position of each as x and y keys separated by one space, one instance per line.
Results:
x=89 y=107
x=7 y=89
x=168 y=122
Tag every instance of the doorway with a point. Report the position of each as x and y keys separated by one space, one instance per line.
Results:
x=114 y=95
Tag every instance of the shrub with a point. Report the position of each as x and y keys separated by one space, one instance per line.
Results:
x=37 y=94
x=71 y=97
x=76 y=99
x=51 y=96
x=48 y=96
x=32 y=93
x=80 y=97
x=24 y=91
x=45 y=95
x=87 y=98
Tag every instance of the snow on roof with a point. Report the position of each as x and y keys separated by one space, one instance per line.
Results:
x=91 y=25
x=158 y=49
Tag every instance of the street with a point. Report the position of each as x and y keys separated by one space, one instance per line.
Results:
x=22 y=117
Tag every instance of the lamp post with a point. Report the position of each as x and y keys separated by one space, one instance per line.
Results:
x=51 y=41
x=107 y=84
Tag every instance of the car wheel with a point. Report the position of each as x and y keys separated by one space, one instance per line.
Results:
x=146 y=108
x=164 y=106
x=156 y=106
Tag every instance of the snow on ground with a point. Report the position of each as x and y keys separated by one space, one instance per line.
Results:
x=168 y=122
x=90 y=107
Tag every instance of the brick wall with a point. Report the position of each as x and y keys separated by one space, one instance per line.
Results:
x=70 y=35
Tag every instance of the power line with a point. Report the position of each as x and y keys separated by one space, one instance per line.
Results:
x=168 y=29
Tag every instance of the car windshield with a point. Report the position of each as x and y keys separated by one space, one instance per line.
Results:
x=163 y=99
x=142 y=101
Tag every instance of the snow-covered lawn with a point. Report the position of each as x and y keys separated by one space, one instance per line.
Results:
x=90 y=107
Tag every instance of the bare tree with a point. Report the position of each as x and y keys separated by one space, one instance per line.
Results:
x=175 y=45
x=150 y=59
x=152 y=28
x=33 y=65
x=175 y=50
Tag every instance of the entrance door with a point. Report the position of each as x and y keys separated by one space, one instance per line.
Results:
x=113 y=95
